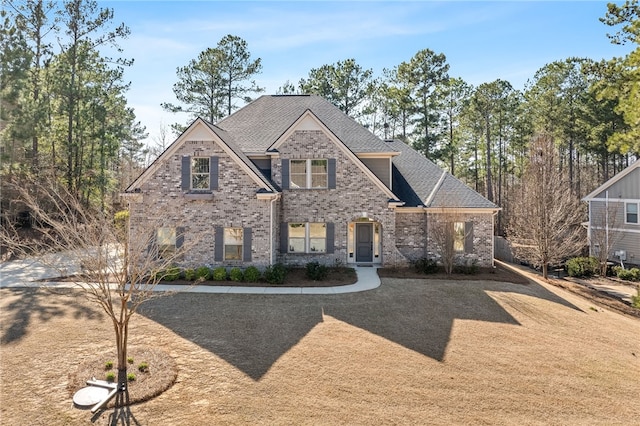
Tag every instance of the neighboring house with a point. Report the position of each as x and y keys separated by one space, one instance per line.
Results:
x=614 y=220
x=291 y=179
x=614 y=217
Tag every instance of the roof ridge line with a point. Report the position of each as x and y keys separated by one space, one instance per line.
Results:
x=435 y=189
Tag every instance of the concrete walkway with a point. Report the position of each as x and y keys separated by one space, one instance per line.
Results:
x=31 y=273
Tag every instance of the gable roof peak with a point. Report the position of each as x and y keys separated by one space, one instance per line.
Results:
x=617 y=177
x=260 y=123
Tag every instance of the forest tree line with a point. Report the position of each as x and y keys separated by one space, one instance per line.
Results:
x=65 y=115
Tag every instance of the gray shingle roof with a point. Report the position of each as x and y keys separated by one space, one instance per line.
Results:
x=255 y=127
x=452 y=192
x=230 y=142
x=259 y=124
x=419 y=177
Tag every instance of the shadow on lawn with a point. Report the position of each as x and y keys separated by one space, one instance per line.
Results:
x=33 y=303
x=252 y=331
x=121 y=414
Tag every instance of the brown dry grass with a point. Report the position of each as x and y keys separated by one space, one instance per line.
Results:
x=410 y=352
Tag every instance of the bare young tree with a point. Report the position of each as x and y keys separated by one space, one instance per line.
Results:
x=605 y=232
x=545 y=223
x=449 y=231
x=93 y=247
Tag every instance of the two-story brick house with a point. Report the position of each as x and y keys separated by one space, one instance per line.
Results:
x=291 y=179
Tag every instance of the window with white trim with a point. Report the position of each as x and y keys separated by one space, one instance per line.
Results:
x=233 y=243
x=310 y=173
x=631 y=213
x=200 y=173
x=307 y=237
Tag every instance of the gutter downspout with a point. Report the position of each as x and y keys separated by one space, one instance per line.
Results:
x=606 y=226
x=493 y=237
x=273 y=200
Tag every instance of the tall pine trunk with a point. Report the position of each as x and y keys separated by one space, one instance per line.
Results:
x=488 y=177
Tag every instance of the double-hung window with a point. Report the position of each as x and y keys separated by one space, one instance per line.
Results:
x=307 y=237
x=458 y=237
x=233 y=243
x=200 y=177
x=166 y=242
x=308 y=174
x=631 y=213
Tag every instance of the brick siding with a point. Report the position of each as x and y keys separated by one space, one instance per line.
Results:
x=405 y=236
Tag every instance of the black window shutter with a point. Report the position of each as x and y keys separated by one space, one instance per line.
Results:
x=331 y=237
x=179 y=237
x=246 y=242
x=213 y=173
x=331 y=173
x=468 y=237
x=284 y=237
x=219 y=244
x=186 y=173
x=285 y=174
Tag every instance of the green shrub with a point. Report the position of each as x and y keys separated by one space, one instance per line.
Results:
x=252 y=274
x=110 y=376
x=190 y=274
x=583 y=266
x=235 y=274
x=275 y=274
x=131 y=377
x=143 y=367
x=203 y=273
x=130 y=360
x=468 y=268
x=635 y=300
x=169 y=274
x=426 y=266
x=632 y=274
x=121 y=219
x=108 y=365
x=316 y=272
x=220 y=274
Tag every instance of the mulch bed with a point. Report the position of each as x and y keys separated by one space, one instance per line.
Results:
x=296 y=277
x=484 y=274
x=161 y=373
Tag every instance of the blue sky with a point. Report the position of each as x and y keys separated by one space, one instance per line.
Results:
x=483 y=41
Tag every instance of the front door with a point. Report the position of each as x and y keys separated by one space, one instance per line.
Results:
x=364 y=242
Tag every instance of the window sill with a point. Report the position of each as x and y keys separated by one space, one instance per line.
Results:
x=198 y=195
x=308 y=253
